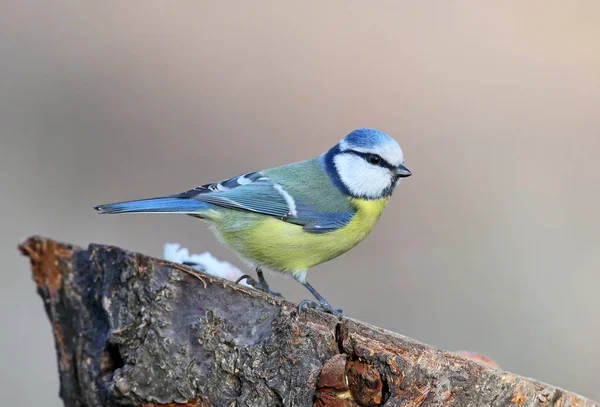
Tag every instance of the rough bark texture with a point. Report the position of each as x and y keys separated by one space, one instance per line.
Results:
x=134 y=330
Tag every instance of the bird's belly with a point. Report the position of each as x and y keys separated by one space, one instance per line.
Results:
x=282 y=246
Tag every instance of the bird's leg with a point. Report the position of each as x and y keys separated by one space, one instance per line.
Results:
x=322 y=304
x=261 y=284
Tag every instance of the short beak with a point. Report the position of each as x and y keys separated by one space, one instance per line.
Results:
x=402 y=172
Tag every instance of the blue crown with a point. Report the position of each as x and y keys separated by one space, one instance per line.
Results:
x=367 y=138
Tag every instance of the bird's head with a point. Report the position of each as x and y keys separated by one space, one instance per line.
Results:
x=367 y=163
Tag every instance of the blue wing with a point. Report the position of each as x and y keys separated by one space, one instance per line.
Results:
x=257 y=193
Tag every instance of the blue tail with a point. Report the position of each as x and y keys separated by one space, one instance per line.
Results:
x=155 y=205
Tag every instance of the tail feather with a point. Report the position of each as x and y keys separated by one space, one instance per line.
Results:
x=155 y=205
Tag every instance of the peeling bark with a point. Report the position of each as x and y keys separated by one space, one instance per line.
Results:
x=131 y=330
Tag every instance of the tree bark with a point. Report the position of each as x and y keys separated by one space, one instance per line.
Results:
x=131 y=330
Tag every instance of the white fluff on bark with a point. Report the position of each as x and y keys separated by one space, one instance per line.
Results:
x=205 y=262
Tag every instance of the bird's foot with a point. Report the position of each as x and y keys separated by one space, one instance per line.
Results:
x=260 y=285
x=325 y=307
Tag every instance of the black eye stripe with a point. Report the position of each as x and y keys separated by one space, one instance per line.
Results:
x=382 y=163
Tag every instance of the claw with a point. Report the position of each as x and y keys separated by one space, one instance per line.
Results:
x=275 y=293
x=319 y=306
x=322 y=305
x=260 y=285
x=249 y=279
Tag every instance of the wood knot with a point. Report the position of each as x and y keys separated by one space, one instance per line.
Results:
x=343 y=383
x=365 y=383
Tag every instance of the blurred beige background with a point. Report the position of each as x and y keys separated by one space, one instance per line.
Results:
x=491 y=246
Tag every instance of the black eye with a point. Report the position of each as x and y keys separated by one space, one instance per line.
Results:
x=374 y=159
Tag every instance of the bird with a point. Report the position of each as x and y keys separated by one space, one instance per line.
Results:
x=291 y=218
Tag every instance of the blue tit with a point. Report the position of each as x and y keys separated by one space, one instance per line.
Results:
x=294 y=217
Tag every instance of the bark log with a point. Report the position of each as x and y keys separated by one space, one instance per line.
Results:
x=131 y=330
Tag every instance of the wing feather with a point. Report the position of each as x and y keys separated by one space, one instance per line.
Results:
x=254 y=192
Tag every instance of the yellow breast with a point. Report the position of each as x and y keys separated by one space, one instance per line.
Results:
x=285 y=247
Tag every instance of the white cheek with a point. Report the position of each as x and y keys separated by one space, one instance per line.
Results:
x=362 y=178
